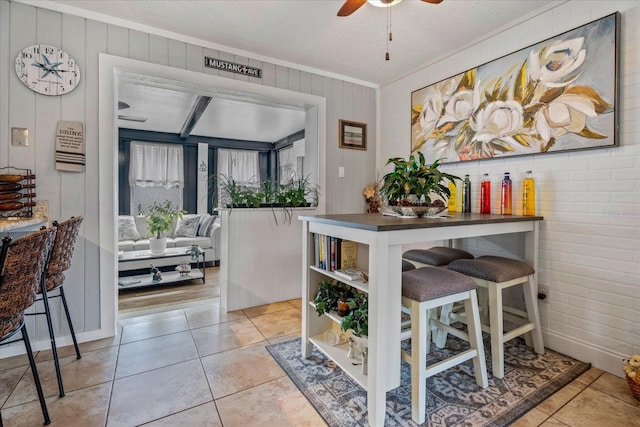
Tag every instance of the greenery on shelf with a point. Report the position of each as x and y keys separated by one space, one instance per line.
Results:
x=329 y=291
x=297 y=192
x=326 y=300
x=161 y=217
x=414 y=177
x=358 y=318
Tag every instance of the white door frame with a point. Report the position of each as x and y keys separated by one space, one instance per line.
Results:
x=114 y=69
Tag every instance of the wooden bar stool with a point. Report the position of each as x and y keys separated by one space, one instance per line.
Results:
x=437 y=256
x=59 y=261
x=424 y=290
x=22 y=262
x=495 y=274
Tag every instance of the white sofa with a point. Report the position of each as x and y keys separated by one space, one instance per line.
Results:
x=192 y=229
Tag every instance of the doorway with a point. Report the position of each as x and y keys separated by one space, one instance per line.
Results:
x=116 y=69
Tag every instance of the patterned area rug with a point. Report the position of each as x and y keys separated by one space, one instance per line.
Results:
x=453 y=398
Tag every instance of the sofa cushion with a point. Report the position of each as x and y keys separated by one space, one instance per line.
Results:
x=125 y=245
x=203 y=242
x=187 y=226
x=144 y=244
x=127 y=229
x=141 y=224
x=204 y=225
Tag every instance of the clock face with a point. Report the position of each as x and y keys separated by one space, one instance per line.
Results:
x=47 y=69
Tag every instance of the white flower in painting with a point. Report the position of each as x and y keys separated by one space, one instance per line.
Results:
x=461 y=106
x=431 y=112
x=447 y=88
x=445 y=149
x=555 y=61
x=566 y=113
x=498 y=120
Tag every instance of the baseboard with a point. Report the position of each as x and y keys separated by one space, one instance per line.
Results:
x=600 y=358
x=44 y=344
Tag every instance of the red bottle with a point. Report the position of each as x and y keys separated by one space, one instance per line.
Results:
x=485 y=195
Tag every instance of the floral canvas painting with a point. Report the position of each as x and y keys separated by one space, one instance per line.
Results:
x=557 y=95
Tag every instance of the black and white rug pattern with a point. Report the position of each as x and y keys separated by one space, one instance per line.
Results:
x=453 y=398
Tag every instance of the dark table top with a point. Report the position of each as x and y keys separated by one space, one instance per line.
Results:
x=379 y=222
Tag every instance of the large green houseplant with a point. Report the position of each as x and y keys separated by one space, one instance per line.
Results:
x=159 y=221
x=413 y=182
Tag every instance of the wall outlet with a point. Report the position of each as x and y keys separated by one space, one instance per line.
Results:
x=543 y=293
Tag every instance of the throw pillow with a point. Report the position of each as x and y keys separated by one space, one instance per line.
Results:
x=204 y=227
x=187 y=226
x=127 y=228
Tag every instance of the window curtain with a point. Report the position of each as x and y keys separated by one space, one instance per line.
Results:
x=241 y=165
x=156 y=165
x=156 y=173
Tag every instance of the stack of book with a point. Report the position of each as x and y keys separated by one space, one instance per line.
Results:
x=332 y=253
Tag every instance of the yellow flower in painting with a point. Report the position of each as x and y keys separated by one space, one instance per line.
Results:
x=555 y=61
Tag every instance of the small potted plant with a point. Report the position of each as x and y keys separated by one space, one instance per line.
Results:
x=159 y=221
x=415 y=184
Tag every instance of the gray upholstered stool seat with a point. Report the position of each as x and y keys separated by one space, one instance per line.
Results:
x=436 y=256
x=424 y=290
x=495 y=274
x=425 y=283
x=492 y=268
x=406 y=265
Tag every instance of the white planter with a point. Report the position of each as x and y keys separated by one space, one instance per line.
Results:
x=158 y=246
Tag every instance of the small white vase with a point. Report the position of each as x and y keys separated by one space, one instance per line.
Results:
x=158 y=246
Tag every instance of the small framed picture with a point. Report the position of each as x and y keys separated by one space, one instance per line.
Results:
x=353 y=135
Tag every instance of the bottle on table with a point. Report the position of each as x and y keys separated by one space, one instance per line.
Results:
x=485 y=195
x=9 y=177
x=466 y=194
x=505 y=204
x=452 y=203
x=16 y=196
x=13 y=187
x=12 y=206
x=529 y=195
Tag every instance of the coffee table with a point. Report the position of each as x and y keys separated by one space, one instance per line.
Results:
x=144 y=280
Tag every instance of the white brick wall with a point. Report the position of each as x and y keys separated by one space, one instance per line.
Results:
x=590 y=238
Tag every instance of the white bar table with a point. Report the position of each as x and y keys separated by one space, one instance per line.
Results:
x=385 y=236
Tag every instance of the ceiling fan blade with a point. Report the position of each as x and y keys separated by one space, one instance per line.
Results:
x=432 y=1
x=132 y=118
x=350 y=6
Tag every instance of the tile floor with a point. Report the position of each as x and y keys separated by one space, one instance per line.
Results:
x=198 y=366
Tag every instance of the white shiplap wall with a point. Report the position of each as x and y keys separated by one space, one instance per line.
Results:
x=77 y=194
x=590 y=238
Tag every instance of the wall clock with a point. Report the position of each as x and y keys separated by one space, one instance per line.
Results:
x=47 y=69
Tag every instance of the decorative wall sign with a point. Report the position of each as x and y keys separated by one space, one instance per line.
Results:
x=232 y=67
x=557 y=95
x=70 y=146
x=353 y=135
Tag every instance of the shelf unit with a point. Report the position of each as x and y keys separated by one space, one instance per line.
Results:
x=30 y=188
x=317 y=325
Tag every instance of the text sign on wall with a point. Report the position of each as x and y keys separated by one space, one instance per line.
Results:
x=70 y=146
x=232 y=67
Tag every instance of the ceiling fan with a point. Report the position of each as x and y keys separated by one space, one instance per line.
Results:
x=123 y=106
x=351 y=6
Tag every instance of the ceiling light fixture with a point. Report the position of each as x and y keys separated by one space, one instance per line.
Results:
x=383 y=3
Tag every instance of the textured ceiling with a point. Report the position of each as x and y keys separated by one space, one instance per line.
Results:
x=304 y=33
x=308 y=32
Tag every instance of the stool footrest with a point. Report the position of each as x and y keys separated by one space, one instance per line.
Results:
x=518 y=331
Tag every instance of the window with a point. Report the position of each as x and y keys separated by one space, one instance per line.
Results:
x=156 y=173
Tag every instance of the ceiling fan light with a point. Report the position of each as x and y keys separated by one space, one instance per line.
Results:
x=383 y=3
